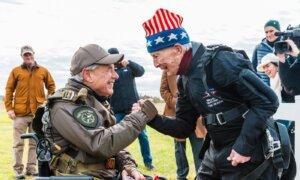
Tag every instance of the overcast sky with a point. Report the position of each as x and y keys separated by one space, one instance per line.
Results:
x=57 y=28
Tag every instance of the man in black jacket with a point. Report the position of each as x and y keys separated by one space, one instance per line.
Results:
x=289 y=69
x=235 y=109
x=125 y=94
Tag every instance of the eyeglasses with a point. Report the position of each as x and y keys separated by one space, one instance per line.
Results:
x=270 y=31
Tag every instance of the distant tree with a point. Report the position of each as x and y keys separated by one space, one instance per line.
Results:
x=155 y=99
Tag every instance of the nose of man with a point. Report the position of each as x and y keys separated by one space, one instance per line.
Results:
x=156 y=63
x=115 y=75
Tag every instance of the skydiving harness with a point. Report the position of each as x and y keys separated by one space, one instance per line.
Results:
x=65 y=162
x=276 y=145
x=219 y=118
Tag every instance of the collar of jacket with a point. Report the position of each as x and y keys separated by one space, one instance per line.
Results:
x=185 y=62
x=74 y=84
x=269 y=45
x=193 y=64
x=273 y=43
x=35 y=65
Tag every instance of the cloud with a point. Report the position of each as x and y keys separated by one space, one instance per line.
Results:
x=12 y=2
x=56 y=29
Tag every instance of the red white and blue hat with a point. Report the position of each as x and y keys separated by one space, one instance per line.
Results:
x=164 y=30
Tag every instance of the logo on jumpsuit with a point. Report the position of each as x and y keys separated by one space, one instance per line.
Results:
x=86 y=116
x=209 y=98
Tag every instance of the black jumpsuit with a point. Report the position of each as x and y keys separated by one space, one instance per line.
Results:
x=225 y=81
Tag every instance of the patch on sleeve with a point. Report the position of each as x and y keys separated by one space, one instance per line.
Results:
x=86 y=116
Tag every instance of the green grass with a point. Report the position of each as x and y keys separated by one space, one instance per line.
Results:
x=162 y=149
x=5 y=147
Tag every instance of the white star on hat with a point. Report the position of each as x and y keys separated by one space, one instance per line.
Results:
x=149 y=43
x=183 y=35
x=172 y=36
x=159 y=40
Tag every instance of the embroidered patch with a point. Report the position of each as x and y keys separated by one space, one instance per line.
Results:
x=86 y=116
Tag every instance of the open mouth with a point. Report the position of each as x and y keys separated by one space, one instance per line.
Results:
x=111 y=83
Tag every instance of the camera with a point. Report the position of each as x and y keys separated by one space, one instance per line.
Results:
x=292 y=33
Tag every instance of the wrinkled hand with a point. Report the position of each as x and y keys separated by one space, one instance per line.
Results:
x=11 y=114
x=135 y=174
x=236 y=158
x=136 y=107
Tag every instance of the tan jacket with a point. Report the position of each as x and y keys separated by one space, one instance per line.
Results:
x=168 y=91
x=25 y=89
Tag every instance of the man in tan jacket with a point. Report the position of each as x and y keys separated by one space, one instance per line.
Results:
x=24 y=93
x=168 y=91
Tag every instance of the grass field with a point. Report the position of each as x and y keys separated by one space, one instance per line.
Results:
x=162 y=149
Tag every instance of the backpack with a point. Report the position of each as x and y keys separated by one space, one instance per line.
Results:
x=240 y=59
x=283 y=158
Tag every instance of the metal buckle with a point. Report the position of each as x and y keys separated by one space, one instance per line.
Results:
x=244 y=115
x=276 y=146
x=220 y=118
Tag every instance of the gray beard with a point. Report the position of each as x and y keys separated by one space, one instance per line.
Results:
x=29 y=66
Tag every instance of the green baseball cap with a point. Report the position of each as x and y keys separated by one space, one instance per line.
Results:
x=92 y=54
x=273 y=23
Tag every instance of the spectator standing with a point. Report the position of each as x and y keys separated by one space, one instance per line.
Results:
x=289 y=69
x=269 y=66
x=266 y=46
x=24 y=93
x=125 y=95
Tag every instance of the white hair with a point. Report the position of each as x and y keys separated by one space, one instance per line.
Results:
x=78 y=77
x=187 y=46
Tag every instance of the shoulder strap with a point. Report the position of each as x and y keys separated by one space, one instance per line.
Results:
x=69 y=95
x=209 y=54
x=257 y=172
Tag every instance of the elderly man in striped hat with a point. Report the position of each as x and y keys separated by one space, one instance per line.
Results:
x=235 y=111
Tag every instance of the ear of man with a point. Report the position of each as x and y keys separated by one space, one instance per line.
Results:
x=86 y=75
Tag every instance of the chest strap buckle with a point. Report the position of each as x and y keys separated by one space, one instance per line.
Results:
x=220 y=119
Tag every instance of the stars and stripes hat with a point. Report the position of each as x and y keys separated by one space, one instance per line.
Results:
x=164 y=30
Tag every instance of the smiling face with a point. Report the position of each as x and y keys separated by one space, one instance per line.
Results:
x=270 y=33
x=101 y=79
x=270 y=69
x=168 y=59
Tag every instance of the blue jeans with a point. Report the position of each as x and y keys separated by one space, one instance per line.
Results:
x=143 y=140
x=180 y=155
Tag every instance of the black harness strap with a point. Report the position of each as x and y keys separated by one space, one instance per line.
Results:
x=257 y=172
x=210 y=53
x=225 y=117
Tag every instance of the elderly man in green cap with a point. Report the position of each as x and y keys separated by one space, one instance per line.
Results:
x=84 y=136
